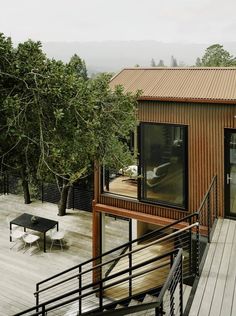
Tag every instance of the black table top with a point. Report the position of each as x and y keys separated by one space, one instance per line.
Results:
x=41 y=225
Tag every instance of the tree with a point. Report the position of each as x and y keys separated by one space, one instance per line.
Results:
x=57 y=122
x=161 y=63
x=78 y=65
x=18 y=150
x=173 y=62
x=90 y=128
x=216 y=56
x=198 y=62
x=153 y=63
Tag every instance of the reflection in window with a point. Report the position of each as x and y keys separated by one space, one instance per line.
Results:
x=123 y=181
x=163 y=163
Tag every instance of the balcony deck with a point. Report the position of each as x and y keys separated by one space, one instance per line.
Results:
x=19 y=271
x=215 y=294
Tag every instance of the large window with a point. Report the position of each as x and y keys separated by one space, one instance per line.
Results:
x=162 y=172
x=163 y=164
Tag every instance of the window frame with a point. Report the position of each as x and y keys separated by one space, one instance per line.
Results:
x=140 y=194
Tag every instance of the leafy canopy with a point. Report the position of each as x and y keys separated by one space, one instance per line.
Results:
x=216 y=56
x=54 y=119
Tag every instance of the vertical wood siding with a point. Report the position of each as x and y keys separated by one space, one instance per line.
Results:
x=206 y=124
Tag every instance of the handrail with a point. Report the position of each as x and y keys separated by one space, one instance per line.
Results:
x=207 y=193
x=94 y=284
x=120 y=257
x=143 y=238
x=211 y=215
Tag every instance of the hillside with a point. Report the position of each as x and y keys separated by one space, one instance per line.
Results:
x=111 y=56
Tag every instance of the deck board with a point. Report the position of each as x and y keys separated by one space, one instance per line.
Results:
x=223 y=272
x=205 y=273
x=19 y=272
x=215 y=294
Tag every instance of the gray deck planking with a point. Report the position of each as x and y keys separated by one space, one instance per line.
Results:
x=205 y=273
x=215 y=294
x=19 y=272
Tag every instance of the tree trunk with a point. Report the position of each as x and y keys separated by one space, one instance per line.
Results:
x=25 y=186
x=63 y=200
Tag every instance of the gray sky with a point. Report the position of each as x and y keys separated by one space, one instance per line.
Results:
x=191 y=21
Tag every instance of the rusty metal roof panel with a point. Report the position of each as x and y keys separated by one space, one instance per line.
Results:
x=212 y=84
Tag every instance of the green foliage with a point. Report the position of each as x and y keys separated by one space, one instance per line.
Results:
x=77 y=65
x=216 y=56
x=55 y=121
x=173 y=62
x=161 y=63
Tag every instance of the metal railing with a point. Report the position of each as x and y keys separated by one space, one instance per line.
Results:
x=4 y=183
x=208 y=210
x=69 y=286
x=74 y=281
x=75 y=303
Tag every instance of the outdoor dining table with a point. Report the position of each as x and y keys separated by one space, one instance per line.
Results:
x=41 y=225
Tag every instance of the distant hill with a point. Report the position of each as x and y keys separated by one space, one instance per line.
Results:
x=112 y=56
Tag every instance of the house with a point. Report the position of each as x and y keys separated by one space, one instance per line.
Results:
x=186 y=136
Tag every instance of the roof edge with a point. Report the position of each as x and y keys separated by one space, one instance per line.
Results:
x=178 y=68
x=187 y=100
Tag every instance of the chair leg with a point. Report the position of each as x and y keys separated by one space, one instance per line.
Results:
x=51 y=245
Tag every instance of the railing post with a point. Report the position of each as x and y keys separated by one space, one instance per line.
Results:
x=43 y=310
x=130 y=258
x=197 y=246
x=37 y=296
x=7 y=183
x=42 y=191
x=159 y=310
x=209 y=217
x=216 y=198
x=101 y=295
x=80 y=286
x=181 y=287
x=190 y=249
x=73 y=197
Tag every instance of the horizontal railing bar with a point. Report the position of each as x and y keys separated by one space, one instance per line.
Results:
x=120 y=257
x=146 y=236
x=93 y=284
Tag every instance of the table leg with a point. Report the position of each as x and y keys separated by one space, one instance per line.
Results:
x=57 y=226
x=10 y=231
x=44 y=242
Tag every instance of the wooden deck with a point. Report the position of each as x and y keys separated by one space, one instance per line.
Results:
x=215 y=294
x=19 y=272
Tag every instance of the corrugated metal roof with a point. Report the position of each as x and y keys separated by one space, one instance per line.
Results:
x=194 y=84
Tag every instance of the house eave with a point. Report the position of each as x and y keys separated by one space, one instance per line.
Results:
x=186 y=100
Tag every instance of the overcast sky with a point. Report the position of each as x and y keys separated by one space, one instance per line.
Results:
x=190 y=21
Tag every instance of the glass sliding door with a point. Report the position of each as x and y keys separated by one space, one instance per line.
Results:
x=230 y=173
x=163 y=164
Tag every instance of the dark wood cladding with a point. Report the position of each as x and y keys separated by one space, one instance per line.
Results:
x=206 y=124
x=140 y=207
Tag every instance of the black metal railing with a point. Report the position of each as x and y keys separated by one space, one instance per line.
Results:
x=68 y=286
x=159 y=241
x=4 y=183
x=208 y=210
x=73 y=280
x=118 y=284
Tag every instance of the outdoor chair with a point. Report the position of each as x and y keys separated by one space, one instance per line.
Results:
x=17 y=236
x=57 y=238
x=30 y=239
